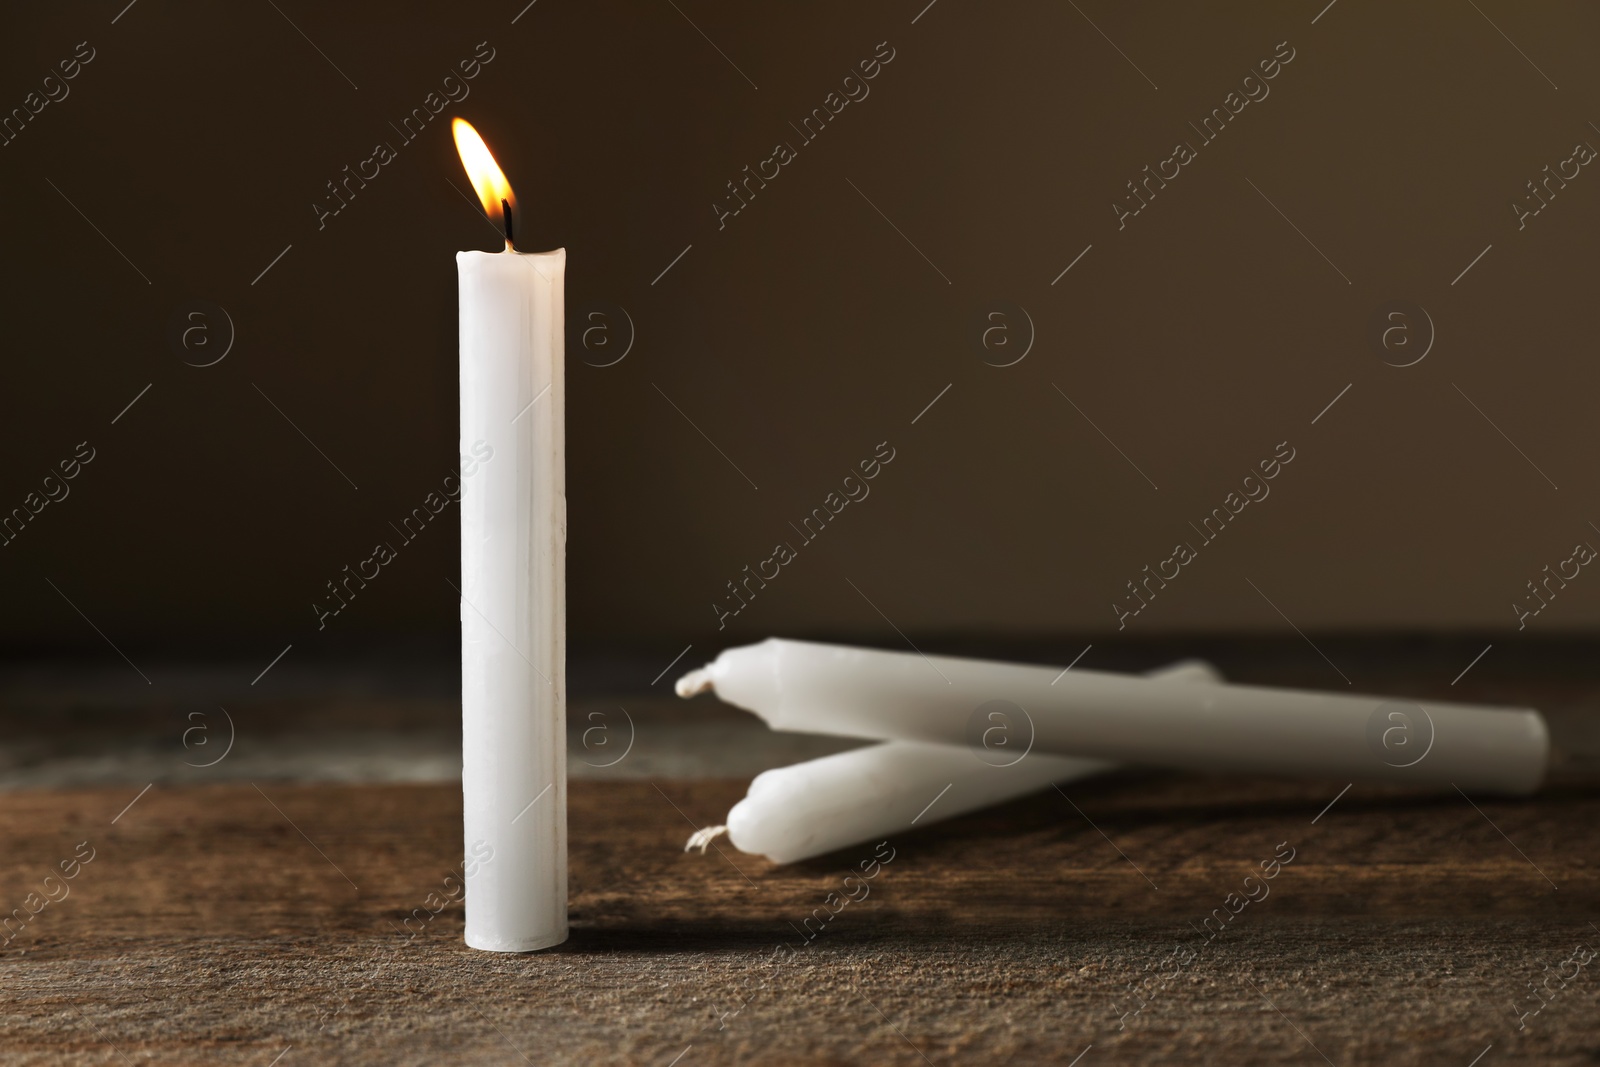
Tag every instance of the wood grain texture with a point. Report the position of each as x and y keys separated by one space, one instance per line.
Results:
x=223 y=924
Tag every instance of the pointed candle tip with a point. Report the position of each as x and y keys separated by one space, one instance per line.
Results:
x=694 y=683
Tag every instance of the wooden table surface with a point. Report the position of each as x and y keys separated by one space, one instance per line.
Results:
x=260 y=912
x=231 y=924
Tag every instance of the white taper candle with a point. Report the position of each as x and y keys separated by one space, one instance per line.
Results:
x=513 y=597
x=858 y=692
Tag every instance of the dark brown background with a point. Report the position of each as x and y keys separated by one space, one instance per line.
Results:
x=809 y=330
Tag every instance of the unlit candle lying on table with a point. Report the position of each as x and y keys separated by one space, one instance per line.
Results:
x=856 y=692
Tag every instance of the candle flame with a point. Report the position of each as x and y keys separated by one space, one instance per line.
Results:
x=494 y=192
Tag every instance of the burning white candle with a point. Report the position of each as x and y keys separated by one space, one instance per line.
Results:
x=513 y=581
x=883 y=790
x=857 y=692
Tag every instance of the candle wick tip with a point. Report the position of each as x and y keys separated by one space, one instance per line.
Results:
x=507 y=224
x=701 y=839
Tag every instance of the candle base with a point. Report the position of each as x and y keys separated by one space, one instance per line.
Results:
x=526 y=944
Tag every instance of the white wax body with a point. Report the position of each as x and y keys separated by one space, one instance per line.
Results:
x=880 y=791
x=513 y=589
x=856 y=692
